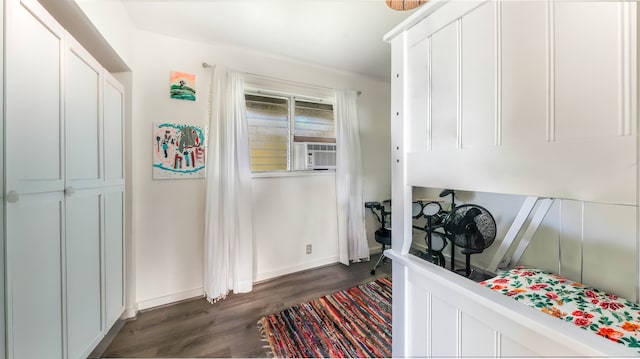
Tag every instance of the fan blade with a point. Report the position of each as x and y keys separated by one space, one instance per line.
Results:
x=473 y=237
x=472 y=213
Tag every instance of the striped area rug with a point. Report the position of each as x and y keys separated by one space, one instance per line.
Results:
x=354 y=323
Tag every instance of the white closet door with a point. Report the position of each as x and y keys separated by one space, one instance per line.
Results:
x=84 y=312
x=82 y=118
x=34 y=182
x=82 y=204
x=34 y=277
x=113 y=113
x=114 y=254
x=34 y=104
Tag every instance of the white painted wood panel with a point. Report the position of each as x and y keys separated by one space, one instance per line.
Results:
x=558 y=172
x=418 y=110
x=454 y=297
x=479 y=78
x=2 y=207
x=445 y=318
x=398 y=208
x=113 y=130
x=564 y=168
x=510 y=349
x=444 y=88
x=610 y=249
x=34 y=244
x=399 y=138
x=524 y=71
x=588 y=72
x=83 y=272
x=82 y=120
x=571 y=239
x=419 y=300
x=543 y=251
x=477 y=339
x=113 y=255
x=35 y=156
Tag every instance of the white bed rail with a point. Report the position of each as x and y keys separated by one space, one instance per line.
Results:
x=443 y=314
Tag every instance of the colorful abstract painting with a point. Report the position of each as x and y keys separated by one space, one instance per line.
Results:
x=178 y=151
x=183 y=86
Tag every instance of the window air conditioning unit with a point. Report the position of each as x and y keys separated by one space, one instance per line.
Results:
x=314 y=156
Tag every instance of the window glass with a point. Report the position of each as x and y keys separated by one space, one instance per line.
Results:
x=268 y=122
x=314 y=122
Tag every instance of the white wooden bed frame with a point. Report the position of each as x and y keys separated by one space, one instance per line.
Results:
x=473 y=109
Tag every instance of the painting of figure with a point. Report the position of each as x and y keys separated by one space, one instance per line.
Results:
x=183 y=86
x=178 y=151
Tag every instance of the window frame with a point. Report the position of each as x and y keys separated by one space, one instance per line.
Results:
x=292 y=92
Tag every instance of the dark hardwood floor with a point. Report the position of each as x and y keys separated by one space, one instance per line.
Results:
x=195 y=328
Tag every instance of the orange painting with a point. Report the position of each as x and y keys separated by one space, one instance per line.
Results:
x=183 y=86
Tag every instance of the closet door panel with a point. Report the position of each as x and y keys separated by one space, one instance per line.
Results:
x=114 y=254
x=33 y=102
x=524 y=72
x=478 y=77
x=82 y=120
x=114 y=131
x=84 y=313
x=444 y=88
x=588 y=74
x=34 y=244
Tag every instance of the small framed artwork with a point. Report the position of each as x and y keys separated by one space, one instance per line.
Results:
x=179 y=151
x=183 y=86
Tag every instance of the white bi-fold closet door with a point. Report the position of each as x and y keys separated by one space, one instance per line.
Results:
x=64 y=190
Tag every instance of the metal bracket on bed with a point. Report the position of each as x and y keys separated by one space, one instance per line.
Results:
x=499 y=259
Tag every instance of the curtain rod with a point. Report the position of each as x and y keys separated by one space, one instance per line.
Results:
x=206 y=65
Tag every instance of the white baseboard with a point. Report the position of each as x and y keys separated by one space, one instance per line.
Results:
x=295 y=268
x=129 y=313
x=199 y=292
x=375 y=250
x=171 y=298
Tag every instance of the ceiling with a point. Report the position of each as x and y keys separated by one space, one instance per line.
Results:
x=340 y=34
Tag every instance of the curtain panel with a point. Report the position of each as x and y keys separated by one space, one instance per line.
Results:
x=352 y=236
x=228 y=256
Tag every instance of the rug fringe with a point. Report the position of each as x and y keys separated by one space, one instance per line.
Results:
x=263 y=337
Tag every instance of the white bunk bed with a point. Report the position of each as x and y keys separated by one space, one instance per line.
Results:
x=531 y=98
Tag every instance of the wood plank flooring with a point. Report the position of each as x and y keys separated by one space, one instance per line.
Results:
x=196 y=329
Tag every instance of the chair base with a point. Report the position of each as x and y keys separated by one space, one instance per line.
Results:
x=380 y=260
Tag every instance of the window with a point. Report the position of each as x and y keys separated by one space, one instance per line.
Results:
x=282 y=128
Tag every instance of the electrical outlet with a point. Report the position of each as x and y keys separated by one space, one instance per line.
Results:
x=308 y=249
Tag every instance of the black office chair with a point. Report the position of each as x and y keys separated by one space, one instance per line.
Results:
x=383 y=234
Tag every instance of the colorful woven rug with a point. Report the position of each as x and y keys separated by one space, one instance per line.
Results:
x=354 y=323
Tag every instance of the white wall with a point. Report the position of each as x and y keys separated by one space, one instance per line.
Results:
x=113 y=22
x=168 y=214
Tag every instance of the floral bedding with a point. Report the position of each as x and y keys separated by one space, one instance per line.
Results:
x=607 y=315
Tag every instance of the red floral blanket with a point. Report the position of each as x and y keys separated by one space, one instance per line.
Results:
x=609 y=316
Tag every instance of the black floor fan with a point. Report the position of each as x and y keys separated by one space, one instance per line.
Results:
x=472 y=228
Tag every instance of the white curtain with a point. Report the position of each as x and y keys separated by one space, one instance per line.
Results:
x=228 y=243
x=352 y=237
